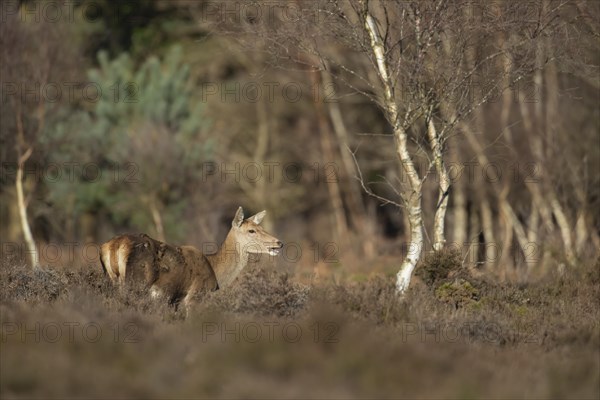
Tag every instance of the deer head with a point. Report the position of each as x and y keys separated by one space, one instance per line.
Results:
x=251 y=237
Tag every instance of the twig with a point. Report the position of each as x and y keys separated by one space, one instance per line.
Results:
x=367 y=190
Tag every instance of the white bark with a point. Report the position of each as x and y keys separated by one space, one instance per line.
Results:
x=565 y=229
x=439 y=237
x=517 y=226
x=412 y=199
x=414 y=248
x=33 y=253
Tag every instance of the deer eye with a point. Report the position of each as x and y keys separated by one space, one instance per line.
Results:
x=252 y=231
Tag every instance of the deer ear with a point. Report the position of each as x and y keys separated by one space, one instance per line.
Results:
x=238 y=219
x=257 y=218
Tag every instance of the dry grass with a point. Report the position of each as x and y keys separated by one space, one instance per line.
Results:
x=68 y=334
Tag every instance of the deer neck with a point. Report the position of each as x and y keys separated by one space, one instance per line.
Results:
x=229 y=261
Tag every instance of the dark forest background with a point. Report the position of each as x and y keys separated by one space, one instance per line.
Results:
x=164 y=116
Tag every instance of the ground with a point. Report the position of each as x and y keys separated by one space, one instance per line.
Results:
x=69 y=333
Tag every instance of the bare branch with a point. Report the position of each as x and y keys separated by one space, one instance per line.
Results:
x=368 y=190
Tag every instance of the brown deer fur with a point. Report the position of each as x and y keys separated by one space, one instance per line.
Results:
x=184 y=272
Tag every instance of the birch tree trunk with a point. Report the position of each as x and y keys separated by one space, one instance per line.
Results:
x=22 y=205
x=460 y=216
x=415 y=246
x=413 y=198
x=439 y=237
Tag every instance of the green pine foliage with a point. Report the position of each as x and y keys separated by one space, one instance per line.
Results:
x=138 y=146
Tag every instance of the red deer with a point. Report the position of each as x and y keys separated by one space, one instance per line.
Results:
x=184 y=272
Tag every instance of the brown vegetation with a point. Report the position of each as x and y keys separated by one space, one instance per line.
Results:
x=348 y=340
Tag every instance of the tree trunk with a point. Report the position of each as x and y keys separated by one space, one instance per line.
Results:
x=356 y=207
x=565 y=229
x=22 y=205
x=533 y=225
x=439 y=237
x=487 y=225
x=517 y=226
x=504 y=205
x=158 y=222
x=535 y=136
x=460 y=218
x=582 y=234
x=415 y=244
x=506 y=246
x=331 y=178
x=412 y=196
x=474 y=231
x=260 y=157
